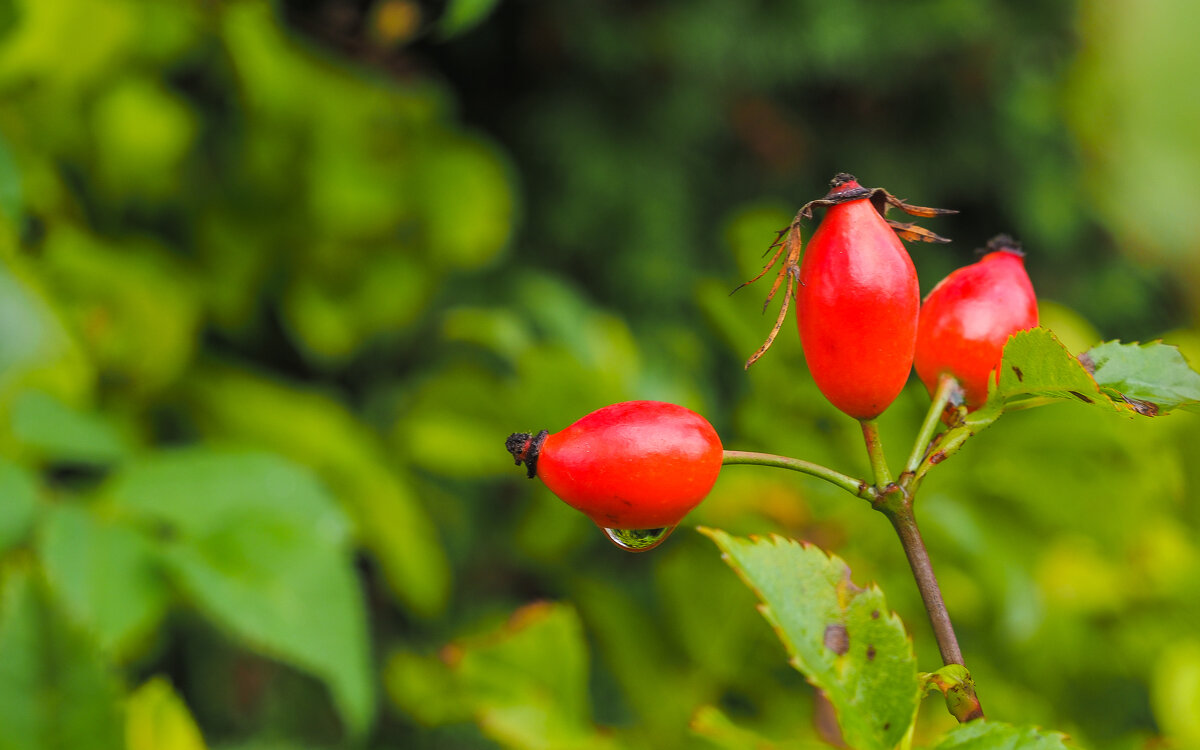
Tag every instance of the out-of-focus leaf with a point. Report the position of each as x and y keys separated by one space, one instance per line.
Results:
x=842 y=637
x=990 y=735
x=56 y=693
x=132 y=304
x=1175 y=692
x=1153 y=377
x=467 y=205
x=107 y=575
x=143 y=133
x=48 y=430
x=463 y=15
x=35 y=349
x=526 y=684
x=200 y=490
x=314 y=429
x=262 y=550
x=11 y=194
x=18 y=504
x=333 y=318
x=96 y=39
x=156 y=718
x=715 y=726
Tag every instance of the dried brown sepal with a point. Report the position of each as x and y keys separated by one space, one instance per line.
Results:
x=913 y=233
x=788 y=245
x=925 y=212
x=792 y=277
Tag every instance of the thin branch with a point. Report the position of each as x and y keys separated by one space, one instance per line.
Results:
x=856 y=487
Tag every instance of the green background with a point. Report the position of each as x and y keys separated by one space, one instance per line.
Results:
x=278 y=280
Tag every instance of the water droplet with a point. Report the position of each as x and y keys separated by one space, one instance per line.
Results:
x=639 y=540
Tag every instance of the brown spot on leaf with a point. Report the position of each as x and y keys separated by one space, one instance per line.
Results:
x=874 y=614
x=937 y=457
x=870 y=653
x=1088 y=363
x=1081 y=397
x=1020 y=375
x=837 y=639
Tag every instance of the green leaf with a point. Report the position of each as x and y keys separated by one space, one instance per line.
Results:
x=156 y=718
x=198 y=491
x=990 y=735
x=35 y=348
x=18 y=503
x=463 y=15
x=842 y=637
x=51 y=431
x=11 y=192
x=1152 y=377
x=314 y=429
x=717 y=728
x=261 y=549
x=107 y=575
x=525 y=684
x=1037 y=364
x=56 y=693
x=1149 y=380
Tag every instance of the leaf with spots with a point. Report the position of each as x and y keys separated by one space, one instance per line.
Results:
x=842 y=637
x=990 y=735
x=1037 y=365
x=1151 y=378
x=1119 y=378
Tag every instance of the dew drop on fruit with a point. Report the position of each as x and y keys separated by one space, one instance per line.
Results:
x=639 y=540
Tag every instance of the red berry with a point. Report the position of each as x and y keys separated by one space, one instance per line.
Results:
x=633 y=465
x=967 y=318
x=857 y=306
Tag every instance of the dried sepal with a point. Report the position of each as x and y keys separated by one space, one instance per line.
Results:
x=788 y=245
x=913 y=233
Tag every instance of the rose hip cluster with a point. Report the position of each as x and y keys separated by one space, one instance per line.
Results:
x=637 y=468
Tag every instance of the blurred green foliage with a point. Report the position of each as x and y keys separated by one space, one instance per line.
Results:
x=278 y=279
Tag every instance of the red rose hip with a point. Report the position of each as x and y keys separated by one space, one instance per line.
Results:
x=857 y=305
x=637 y=465
x=967 y=318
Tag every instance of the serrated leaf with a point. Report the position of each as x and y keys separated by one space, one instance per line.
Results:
x=1036 y=364
x=1152 y=378
x=842 y=637
x=259 y=547
x=990 y=735
x=1149 y=380
x=56 y=692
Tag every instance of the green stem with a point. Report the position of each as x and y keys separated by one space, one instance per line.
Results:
x=856 y=487
x=879 y=466
x=941 y=396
